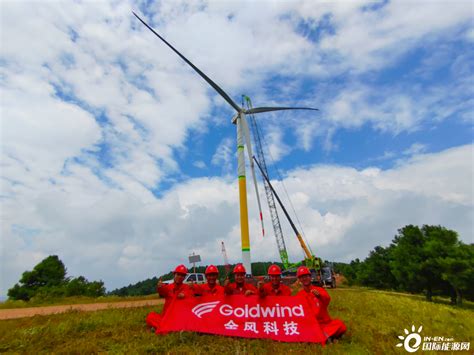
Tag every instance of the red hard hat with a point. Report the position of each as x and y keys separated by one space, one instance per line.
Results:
x=181 y=269
x=303 y=270
x=239 y=269
x=211 y=269
x=274 y=270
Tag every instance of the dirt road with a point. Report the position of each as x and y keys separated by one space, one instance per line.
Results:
x=33 y=311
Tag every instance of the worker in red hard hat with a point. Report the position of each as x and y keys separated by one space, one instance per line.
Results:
x=175 y=290
x=240 y=286
x=211 y=287
x=274 y=287
x=333 y=328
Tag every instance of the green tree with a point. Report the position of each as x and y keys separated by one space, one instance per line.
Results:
x=350 y=271
x=407 y=257
x=439 y=244
x=95 y=289
x=49 y=272
x=79 y=286
x=429 y=259
x=18 y=292
x=458 y=270
x=375 y=271
x=48 y=280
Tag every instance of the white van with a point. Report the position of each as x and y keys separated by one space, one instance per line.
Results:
x=196 y=278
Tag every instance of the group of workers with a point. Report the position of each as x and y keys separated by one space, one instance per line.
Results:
x=317 y=296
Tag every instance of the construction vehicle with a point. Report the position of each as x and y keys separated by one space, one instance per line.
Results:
x=328 y=276
x=312 y=262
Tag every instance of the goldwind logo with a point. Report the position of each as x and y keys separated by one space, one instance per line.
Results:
x=411 y=348
x=204 y=308
x=260 y=311
x=249 y=312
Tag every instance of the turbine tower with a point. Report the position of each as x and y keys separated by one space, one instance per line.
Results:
x=243 y=135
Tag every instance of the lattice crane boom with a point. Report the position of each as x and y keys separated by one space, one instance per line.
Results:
x=268 y=191
x=226 y=260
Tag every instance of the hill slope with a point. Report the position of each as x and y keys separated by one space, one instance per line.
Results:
x=375 y=320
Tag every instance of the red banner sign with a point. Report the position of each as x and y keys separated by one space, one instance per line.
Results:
x=289 y=319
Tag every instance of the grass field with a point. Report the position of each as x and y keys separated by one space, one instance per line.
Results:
x=70 y=300
x=374 y=321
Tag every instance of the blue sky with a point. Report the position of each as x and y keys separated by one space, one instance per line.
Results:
x=120 y=159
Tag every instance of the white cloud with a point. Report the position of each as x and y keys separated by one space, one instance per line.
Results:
x=117 y=236
x=94 y=108
x=430 y=174
x=223 y=156
x=365 y=39
x=199 y=164
x=104 y=67
x=308 y=132
x=273 y=144
x=392 y=108
x=36 y=123
x=345 y=212
x=415 y=148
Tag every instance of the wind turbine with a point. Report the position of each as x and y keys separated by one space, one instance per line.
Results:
x=243 y=133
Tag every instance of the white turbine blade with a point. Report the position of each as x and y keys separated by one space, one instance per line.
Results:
x=270 y=109
x=196 y=69
x=252 y=167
